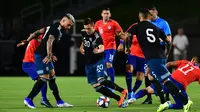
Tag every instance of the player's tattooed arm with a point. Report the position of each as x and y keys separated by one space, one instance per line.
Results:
x=48 y=58
x=171 y=64
x=36 y=34
x=31 y=36
x=50 y=45
x=82 y=49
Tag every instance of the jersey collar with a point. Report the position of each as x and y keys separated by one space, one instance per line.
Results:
x=155 y=19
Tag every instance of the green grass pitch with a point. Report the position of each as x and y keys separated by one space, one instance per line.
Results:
x=76 y=91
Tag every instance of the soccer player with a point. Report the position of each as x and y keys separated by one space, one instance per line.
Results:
x=186 y=72
x=93 y=49
x=148 y=36
x=108 y=29
x=164 y=26
x=44 y=60
x=136 y=61
x=29 y=67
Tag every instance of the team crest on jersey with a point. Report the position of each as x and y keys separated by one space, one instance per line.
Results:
x=109 y=27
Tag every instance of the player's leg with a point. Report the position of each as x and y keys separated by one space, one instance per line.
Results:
x=109 y=57
x=100 y=71
x=160 y=72
x=30 y=69
x=41 y=81
x=129 y=72
x=140 y=68
x=148 y=100
x=54 y=88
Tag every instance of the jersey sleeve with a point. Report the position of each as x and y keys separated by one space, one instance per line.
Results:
x=54 y=31
x=132 y=29
x=166 y=28
x=117 y=27
x=99 y=40
x=83 y=33
x=96 y=26
x=162 y=34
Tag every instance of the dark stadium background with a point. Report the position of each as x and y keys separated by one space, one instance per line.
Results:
x=17 y=22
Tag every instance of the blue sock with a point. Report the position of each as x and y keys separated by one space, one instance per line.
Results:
x=140 y=94
x=111 y=73
x=176 y=106
x=138 y=83
x=44 y=92
x=129 y=81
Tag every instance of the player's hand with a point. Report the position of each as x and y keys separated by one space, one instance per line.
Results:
x=120 y=47
x=47 y=59
x=54 y=58
x=127 y=51
x=96 y=50
x=23 y=42
x=82 y=51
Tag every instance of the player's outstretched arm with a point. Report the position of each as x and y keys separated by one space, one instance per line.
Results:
x=81 y=49
x=31 y=36
x=48 y=58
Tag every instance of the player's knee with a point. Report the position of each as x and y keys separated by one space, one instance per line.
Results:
x=129 y=68
x=140 y=76
x=109 y=65
x=52 y=77
x=101 y=80
x=150 y=77
x=97 y=87
x=43 y=79
x=45 y=76
x=149 y=90
x=52 y=72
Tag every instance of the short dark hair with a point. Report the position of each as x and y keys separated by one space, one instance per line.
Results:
x=145 y=12
x=152 y=7
x=88 y=21
x=107 y=9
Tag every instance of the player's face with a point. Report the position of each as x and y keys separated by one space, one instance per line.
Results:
x=106 y=14
x=89 y=29
x=67 y=23
x=153 y=14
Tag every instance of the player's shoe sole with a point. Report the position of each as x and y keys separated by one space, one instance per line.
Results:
x=188 y=106
x=26 y=104
x=65 y=105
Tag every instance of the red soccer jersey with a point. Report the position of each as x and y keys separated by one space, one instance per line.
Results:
x=186 y=73
x=29 y=54
x=108 y=32
x=135 y=46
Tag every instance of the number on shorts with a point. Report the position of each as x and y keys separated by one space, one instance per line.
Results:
x=186 y=69
x=111 y=57
x=150 y=37
x=99 y=68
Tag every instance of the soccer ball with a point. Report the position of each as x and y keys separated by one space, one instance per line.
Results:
x=103 y=102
